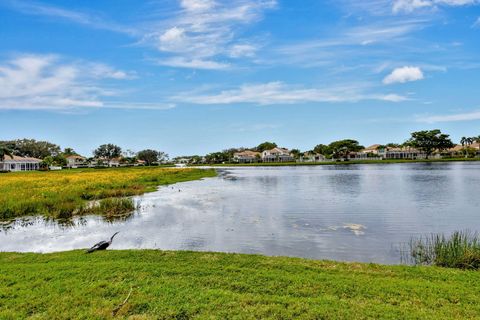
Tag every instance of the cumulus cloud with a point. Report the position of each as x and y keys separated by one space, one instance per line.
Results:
x=279 y=93
x=32 y=82
x=404 y=74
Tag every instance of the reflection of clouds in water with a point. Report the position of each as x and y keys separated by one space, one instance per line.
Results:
x=315 y=212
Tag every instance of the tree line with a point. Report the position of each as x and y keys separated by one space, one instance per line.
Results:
x=53 y=155
x=426 y=141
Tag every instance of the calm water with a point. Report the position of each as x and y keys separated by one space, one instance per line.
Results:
x=351 y=213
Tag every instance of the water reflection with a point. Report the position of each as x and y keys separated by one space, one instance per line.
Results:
x=353 y=213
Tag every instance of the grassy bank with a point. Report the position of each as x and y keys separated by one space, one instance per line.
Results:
x=389 y=161
x=184 y=285
x=61 y=194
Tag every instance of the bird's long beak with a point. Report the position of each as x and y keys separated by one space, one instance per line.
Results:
x=114 y=235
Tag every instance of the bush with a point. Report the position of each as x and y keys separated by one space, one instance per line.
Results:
x=460 y=250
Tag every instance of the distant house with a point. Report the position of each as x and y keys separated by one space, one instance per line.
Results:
x=372 y=152
x=312 y=157
x=246 y=156
x=75 y=161
x=277 y=155
x=373 y=149
x=115 y=162
x=460 y=149
x=140 y=162
x=402 y=153
x=15 y=163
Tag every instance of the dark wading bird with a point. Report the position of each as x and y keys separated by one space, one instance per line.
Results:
x=102 y=245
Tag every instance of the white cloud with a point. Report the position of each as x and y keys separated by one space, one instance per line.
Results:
x=469 y=116
x=404 y=74
x=39 y=82
x=477 y=23
x=39 y=9
x=279 y=93
x=180 y=62
x=242 y=50
x=206 y=31
x=409 y=6
x=197 y=5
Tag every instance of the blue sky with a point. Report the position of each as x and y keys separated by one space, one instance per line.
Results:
x=196 y=76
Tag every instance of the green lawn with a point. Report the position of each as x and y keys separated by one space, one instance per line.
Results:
x=389 y=161
x=184 y=285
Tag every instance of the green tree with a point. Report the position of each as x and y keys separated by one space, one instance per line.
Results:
x=429 y=141
x=342 y=148
x=265 y=146
x=149 y=156
x=107 y=151
x=217 y=157
x=393 y=145
x=321 y=149
x=32 y=148
x=296 y=153
x=5 y=151
x=69 y=152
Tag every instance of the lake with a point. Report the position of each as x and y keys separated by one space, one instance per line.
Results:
x=341 y=212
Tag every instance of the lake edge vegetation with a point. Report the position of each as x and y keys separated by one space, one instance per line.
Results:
x=184 y=285
x=459 y=250
x=63 y=194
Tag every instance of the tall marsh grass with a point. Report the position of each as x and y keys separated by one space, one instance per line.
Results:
x=460 y=250
x=63 y=194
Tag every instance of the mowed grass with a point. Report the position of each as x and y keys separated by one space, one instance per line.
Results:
x=194 y=285
x=61 y=194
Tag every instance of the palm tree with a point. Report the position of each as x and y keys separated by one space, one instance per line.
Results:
x=463 y=141
x=5 y=151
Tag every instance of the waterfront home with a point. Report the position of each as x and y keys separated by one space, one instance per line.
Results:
x=312 y=157
x=75 y=161
x=373 y=149
x=277 y=155
x=246 y=156
x=403 y=153
x=16 y=163
x=370 y=153
x=364 y=156
x=140 y=163
x=459 y=150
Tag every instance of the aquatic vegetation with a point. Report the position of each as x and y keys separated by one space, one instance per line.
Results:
x=459 y=250
x=63 y=194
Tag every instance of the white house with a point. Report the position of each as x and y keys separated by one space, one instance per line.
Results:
x=277 y=155
x=15 y=163
x=246 y=156
x=74 y=161
x=312 y=157
x=402 y=153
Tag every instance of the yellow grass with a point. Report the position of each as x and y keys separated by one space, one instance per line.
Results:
x=61 y=194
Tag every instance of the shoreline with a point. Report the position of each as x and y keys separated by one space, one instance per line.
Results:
x=187 y=284
x=331 y=163
x=64 y=194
